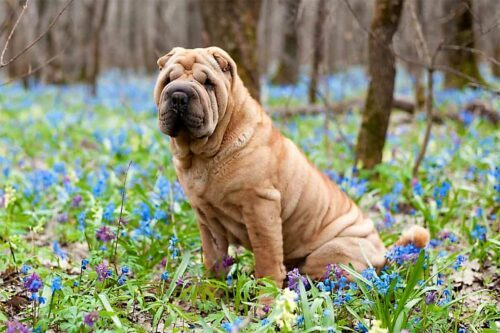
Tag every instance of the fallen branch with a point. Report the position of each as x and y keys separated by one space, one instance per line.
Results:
x=477 y=108
x=401 y=104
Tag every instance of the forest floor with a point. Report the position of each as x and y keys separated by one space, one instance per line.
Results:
x=68 y=265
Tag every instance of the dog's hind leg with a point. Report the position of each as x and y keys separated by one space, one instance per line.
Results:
x=360 y=252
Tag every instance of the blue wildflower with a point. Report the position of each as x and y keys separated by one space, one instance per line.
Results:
x=445 y=297
x=56 y=284
x=264 y=322
x=440 y=192
x=109 y=211
x=59 y=168
x=160 y=215
x=25 y=269
x=164 y=276
x=402 y=254
x=361 y=328
x=143 y=211
x=85 y=263
x=300 y=320
x=58 y=251
x=81 y=220
x=122 y=279
x=459 y=262
x=388 y=220
x=479 y=233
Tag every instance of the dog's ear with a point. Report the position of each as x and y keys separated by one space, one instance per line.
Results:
x=225 y=62
x=162 y=61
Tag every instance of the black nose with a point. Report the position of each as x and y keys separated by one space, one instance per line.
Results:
x=179 y=100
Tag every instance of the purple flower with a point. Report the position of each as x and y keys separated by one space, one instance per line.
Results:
x=333 y=269
x=227 y=261
x=104 y=234
x=294 y=277
x=16 y=327
x=430 y=297
x=77 y=200
x=90 y=318
x=62 y=217
x=388 y=220
x=102 y=271
x=32 y=283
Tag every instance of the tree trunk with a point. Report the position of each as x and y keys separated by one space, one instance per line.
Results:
x=288 y=66
x=381 y=66
x=458 y=31
x=194 y=23
x=232 y=25
x=318 y=50
x=103 y=13
x=494 y=67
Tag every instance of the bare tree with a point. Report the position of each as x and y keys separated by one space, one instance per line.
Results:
x=232 y=25
x=99 y=25
x=458 y=31
x=318 y=53
x=288 y=66
x=382 y=71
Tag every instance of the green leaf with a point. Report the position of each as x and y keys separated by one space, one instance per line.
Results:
x=304 y=304
x=105 y=303
x=178 y=274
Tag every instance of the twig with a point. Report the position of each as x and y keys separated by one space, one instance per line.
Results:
x=36 y=40
x=337 y=125
x=11 y=33
x=429 y=100
x=417 y=62
x=471 y=50
x=34 y=70
x=113 y=258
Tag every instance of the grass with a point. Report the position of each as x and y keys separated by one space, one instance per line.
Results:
x=64 y=156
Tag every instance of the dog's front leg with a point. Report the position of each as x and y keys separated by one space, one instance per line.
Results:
x=214 y=247
x=262 y=217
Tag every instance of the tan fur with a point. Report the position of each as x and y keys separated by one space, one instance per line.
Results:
x=251 y=186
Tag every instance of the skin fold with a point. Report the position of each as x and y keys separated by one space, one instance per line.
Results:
x=251 y=186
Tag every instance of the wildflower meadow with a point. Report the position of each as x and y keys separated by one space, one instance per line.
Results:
x=97 y=235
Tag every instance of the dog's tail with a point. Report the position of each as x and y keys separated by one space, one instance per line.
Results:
x=416 y=235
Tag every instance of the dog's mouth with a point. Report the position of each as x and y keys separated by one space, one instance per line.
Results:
x=181 y=108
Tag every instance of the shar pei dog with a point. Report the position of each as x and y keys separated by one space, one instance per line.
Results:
x=248 y=184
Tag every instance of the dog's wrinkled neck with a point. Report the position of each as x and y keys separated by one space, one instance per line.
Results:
x=231 y=133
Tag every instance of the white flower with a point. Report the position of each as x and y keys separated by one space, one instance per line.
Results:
x=286 y=307
x=376 y=327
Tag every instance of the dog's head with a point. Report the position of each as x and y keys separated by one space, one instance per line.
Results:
x=192 y=90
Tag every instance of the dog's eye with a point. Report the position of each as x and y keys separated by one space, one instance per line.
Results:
x=208 y=83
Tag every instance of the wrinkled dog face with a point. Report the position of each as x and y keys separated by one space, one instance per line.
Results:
x=192 y=90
